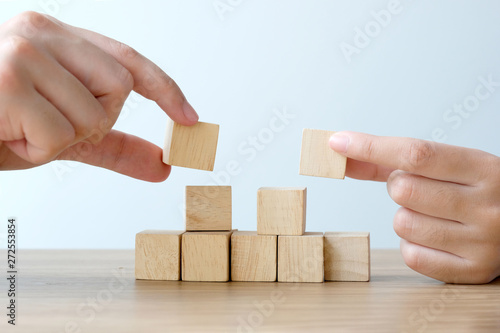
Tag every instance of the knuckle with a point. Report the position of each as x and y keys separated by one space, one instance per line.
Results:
x=123 y=50
x=120 y=88
x=413 y=258
x=418 y=155
x=9 y=78
x=126 y=80
x=34 y=18
x=15 y=50
x=54 y=147
x=367 y=149
x=29 y=20
x=123 y=81
x=16 y=47
x=156 y=84
x=169 y=82
x=400 y=187
x=403 y=224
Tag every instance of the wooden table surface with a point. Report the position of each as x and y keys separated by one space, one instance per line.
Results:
x=95 y=291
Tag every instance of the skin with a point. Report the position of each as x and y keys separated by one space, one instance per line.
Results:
x=449 y=220
x=62 y=89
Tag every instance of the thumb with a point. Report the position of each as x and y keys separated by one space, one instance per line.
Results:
x=122 y=153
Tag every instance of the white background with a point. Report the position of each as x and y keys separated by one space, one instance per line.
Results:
x=237 y=68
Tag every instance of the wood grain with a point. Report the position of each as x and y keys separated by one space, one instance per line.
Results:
x=158 y=255
x=347 y=256
x=191 y=146
x=208 y=208
x=281 y=210
x=95 y=291
x=300 y=258
x=205 y=256
x=317 y=158
x=253 y=257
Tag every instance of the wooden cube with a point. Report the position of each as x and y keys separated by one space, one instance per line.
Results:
x=300 y=258
x=208 y=208
x=191 y=146
x=317 y=158
x=205 y=256
x=347 y=256
x=158 y=255
x=281 y=210
x=253 y=257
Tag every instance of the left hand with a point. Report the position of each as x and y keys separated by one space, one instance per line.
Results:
x=449 y=221
x=61 y=91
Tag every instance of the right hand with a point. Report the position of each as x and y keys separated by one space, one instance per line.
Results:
x=449 y=220
x=61 y=91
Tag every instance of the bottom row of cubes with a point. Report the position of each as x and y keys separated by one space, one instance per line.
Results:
x=221 y=256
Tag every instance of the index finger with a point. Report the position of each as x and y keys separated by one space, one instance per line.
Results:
x=425 y=158
x=149 y=80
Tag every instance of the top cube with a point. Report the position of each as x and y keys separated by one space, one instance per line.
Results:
x=281 y=211
x=317 y=158
x=191 y=146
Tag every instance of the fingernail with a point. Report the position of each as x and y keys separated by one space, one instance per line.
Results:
x=339 y=142
x=189 y=112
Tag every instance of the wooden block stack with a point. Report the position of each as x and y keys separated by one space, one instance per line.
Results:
x=200 y=254
x=346 y=254
x=280 y=250
x=208 y=208
x=206 y=244
x=281 y=211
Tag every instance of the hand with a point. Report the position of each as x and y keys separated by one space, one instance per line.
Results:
x=61 y=91
x=449 y=221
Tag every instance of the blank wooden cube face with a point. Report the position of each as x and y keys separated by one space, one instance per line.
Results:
x=347 y=256
x=208 y=208
x=253 y=257
x=158 y=255
x=191 y=146
x=281 y=210
x=317 y=158
x=300 y=258
x=205 y=256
